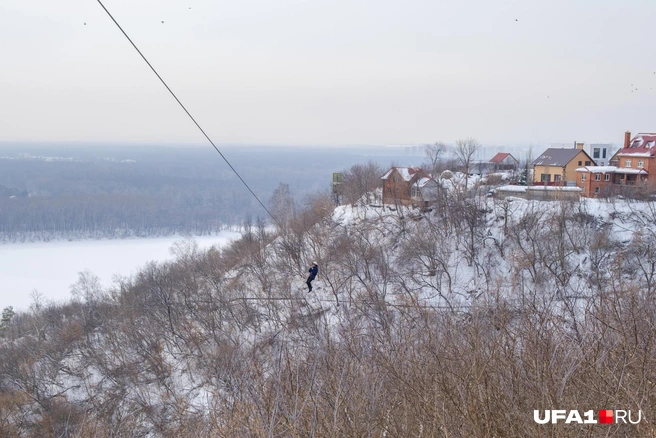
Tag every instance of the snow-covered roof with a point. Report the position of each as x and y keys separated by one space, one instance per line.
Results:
x=645 y=140
x=518 y=189
x=387 y=174
x=423 y=181
x=597 y=169
x=556 y=188
x=407 y=173
x=642 y=145
x=638 y=152
x=631 y=171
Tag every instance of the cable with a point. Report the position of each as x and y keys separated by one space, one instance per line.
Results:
x=352 y=302
x=190 y=116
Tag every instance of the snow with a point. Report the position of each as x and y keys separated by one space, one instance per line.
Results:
x=631 y=171
x=556 y=188
x=518 y=189
x=52 y=267
x=423 y=181
x=395 y=274
x=635 y=154
x=387 y=174
x=597 y=169
x=405 y=173
x=523 y=189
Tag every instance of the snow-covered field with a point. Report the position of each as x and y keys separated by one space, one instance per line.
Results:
x=52 y=267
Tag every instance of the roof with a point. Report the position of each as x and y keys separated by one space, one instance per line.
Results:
x=637 y=152
x=597 y=169
x=558 y=157
x=555 y=188
x=498 y=158
x=631 y=171
x=647 y=141
x=642 y=145
x=407 y=173
x=423 y=181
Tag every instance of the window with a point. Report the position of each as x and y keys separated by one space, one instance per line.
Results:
x=583 y=177
x=627 y=163
x=587 y=163
x=414 y=192
x=607 y=177
x=389 y=190
x=604 y=153
x=596 y=189
x=641 y=164
x=557 y=178
x=545 y=177
x=580 y=163
x=597 y=177
x=595 y=153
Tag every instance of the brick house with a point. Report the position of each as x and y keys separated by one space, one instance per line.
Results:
x=408 y=186
x=635 y=159
x=629 y=168
x=595 y=180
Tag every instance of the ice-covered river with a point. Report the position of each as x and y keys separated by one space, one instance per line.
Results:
x=52 y=267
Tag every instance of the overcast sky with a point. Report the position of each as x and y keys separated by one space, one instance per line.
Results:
x=328 y=72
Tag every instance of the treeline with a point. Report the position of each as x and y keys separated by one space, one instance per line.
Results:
x=113 y=216
x=112 y=191
x=456 y=322
x=115 y=192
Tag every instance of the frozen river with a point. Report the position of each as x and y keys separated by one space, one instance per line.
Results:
x=52 y=267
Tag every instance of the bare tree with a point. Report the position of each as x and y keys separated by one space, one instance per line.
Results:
x=434 y=153
x=465 y=151
x=282 y=205
x=361 y=180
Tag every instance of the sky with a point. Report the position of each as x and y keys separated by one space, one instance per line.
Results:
x=327 y=72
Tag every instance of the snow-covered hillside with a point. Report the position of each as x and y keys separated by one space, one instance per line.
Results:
x=456 y=321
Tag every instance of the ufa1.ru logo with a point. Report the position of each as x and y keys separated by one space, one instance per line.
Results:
x=606 y=416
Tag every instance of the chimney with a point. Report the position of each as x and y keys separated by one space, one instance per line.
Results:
x=627 y=139
x=579 y=145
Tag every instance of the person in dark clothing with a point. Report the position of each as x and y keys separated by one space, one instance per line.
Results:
x=314 y=270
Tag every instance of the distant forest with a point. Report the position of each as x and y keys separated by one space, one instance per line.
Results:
x=99 y=191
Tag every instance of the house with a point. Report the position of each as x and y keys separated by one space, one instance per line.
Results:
x=504 y=161
x=600 y=152
x=635 y=159
x=629 y=167
x=557 y=166
x=595 y=181
x=408 y=186
x=500 y=162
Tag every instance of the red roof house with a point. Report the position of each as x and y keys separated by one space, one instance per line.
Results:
x=504 y=161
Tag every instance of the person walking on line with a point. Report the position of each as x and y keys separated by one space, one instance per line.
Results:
x=314 y=270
